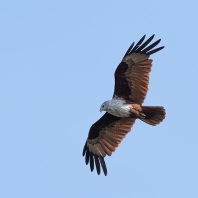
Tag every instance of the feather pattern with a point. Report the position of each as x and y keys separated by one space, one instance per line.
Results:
x=132 y=74
x=111 y=130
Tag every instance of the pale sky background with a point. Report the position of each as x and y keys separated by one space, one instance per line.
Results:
x=57 y=60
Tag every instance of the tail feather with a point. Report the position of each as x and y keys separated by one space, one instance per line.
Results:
x=152 y=115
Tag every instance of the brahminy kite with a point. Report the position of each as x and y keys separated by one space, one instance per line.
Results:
x=131 y=86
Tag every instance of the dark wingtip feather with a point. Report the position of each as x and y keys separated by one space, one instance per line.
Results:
x=90 y=158
x=138 y=44
x=87 y=157
x=138 y=48
x=91 y=162
x=151 y=46
x=155 y=50
x=84 y=149
x=145 y=43
x=97 y=164
x=102 y=162
x=127 y=52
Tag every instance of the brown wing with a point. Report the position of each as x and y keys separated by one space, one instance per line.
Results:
x=104 y=137
x=132 y=74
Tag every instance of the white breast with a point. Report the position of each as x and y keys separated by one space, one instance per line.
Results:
x=117 y=107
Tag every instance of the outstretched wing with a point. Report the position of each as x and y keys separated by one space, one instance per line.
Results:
x=104 y=137
x=132 y=74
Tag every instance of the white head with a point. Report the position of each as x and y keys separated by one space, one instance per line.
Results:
x=104 y=106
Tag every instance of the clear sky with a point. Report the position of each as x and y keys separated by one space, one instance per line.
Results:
x=57 y=60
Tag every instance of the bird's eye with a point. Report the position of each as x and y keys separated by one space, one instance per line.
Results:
x=102 y=105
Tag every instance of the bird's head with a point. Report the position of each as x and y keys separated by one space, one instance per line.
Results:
x=103 y=107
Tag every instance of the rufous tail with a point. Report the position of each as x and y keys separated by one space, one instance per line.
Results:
x=152 y=115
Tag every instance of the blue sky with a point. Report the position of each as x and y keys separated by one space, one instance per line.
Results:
x=57 y=60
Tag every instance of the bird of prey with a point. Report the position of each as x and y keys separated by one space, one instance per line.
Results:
x=131 y=86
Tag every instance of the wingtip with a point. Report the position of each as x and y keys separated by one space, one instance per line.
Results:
x=151 y=38
x=158 y=40
x=143 y=37
x=87 y=157
x=84 y=149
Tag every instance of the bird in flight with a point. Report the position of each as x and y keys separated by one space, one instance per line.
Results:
x=131 y=86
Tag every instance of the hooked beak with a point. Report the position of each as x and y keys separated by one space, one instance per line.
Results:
x=101 y=109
